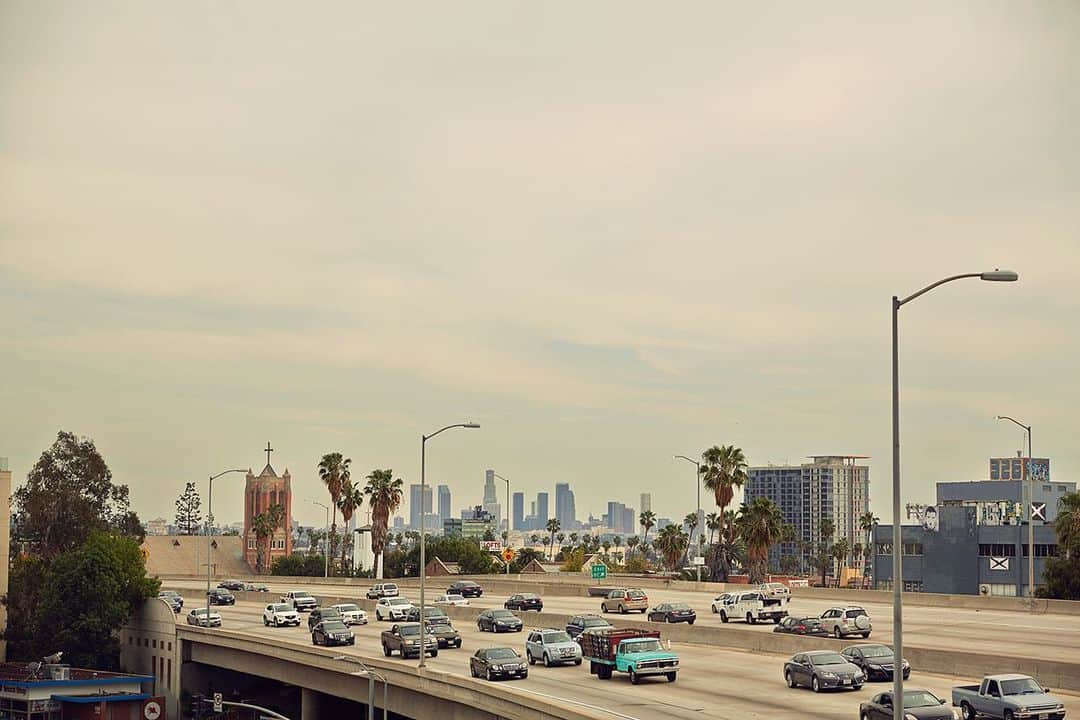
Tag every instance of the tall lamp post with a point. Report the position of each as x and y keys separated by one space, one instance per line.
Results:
x=371 y=675
x=423 y=561
x=1025 y=474
x=697 y=476
x=326 y=550
x=507 y=517
x=210 y=532
x=897 y=573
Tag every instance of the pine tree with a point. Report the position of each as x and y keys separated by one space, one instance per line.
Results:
x=188 y=510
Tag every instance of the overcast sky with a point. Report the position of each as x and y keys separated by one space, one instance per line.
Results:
x=608 y=232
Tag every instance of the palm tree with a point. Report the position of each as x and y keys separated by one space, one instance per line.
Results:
x=265 y=525
x=552 y=528
x=1067 y=524
x=867 y=522
x=535 y=538
x=573 y=538
x=690 y=521
x=827 y=531
x=647 y=519
x=671 y=542
x=723 y=469
x=840 y=552
x=547 y=541
x=334 y=472
x=384 y=494
x=561 y=537
x=607 y=549
x=713 y=521
x=760 y=525
x=350 y=501
x=632 y=542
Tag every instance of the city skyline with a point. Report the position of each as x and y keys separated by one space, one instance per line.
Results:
x=505 y=230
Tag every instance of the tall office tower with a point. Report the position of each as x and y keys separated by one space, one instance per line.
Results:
x=491 y=495
x=628 y=521
x=830 y=487
x=415 y=505
x=519 y=511
x=565 y=511
x=646 y=502
x=542 y=515
x=444 y=503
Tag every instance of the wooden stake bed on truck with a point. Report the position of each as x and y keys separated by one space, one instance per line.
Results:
x=635 y=652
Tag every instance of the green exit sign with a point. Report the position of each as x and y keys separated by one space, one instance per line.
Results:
x=599 y=572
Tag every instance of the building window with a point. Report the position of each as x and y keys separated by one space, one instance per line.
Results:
x=251 y=543
x=1000 y=589
x=997 y=550
x=912 y=585
x=912 y=549
x=170 y=647
x=1042 y=550
x=153 y=644
x=884 y=548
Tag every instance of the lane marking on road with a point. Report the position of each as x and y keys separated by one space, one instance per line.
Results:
x=576 y=702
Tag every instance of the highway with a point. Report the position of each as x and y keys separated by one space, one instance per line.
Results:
x=713 y=682
x=1046 y=636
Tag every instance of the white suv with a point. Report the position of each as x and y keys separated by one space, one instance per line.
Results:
x=392 y=608
x=847 y=620
x=278 y=614
x=351 y=614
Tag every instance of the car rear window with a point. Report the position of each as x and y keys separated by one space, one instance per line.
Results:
x=855 y=612
x=635 y=594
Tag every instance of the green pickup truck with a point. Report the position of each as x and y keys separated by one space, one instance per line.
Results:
x=637 y=653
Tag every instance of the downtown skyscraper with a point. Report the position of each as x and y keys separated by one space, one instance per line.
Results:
x=444 y=503
x=415 y=504
x=565 y=512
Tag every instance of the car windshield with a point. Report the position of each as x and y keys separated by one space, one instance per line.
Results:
x=920 y=698
x=874 y=651
x=502 y=614
x=281 y=608
x=409 y=629
x=347 y=608
x=200 y=611
x=168 y=593
x=855 y=612
x=680 y=606
x=301 y=594
x=397 y=601
x=1022 y=686
x=334 y=626
x=454 y=598
x=556 y=637
x=828 y=659
x=594 y=622
x=501 y=654
x=642 y=646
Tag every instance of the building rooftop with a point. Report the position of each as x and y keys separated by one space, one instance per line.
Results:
x=25 y=674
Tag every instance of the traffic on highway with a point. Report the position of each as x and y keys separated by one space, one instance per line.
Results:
x=505 y=646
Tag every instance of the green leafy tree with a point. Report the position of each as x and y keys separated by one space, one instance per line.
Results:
x=88 y=593
x=1061 y=574
x=523 y=557
x=69 y=493
x=334 y=473
x=573 y=538
x=384 y=494
x=189 y=510
x=647 y=520
x=23 y=600
x=671 y=542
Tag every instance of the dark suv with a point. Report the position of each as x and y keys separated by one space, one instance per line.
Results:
x=465 y=588
x=320 y=614
x=580 y=623
x=221 y=596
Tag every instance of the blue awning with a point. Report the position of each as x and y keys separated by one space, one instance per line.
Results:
x=118 y=697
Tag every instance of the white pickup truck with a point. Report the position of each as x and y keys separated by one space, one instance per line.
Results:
x=750 y=606
x=300 y=600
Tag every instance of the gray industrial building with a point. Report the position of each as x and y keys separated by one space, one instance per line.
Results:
x=975 y=540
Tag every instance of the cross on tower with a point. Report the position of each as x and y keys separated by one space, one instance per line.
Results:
x=268 y=451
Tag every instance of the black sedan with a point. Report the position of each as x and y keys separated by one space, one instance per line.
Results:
x=524 y=601
x=580 y=623
x=497 y=662
x=444 y=632
x=332 y=632
x=920 y=704
x=498 y=621
x=231 y=585
x=465 y=588
x=801 y=626
x=221 y=596
x=432 y=614
x=673 y=613
x=822 y=670
x=876 y=661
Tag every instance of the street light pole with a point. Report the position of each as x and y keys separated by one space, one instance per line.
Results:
x=697 y=517
x=423 y=561
x=897 y=569
x=372 y=676
x=210 y=533
x=326 y=540
x=1025 y=474
x=507 y=545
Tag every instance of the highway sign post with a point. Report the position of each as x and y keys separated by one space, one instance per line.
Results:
x=599 y=572
x=508 y=555
x=218 y=702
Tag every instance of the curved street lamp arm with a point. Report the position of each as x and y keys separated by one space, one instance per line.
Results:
x=448 y=427
x=928 y=288
x=226 y=472
x=1014 y=421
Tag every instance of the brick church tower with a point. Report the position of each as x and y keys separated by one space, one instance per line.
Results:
x=260 y=493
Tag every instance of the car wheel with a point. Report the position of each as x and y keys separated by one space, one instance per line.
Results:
x=547 y=660
x=1008 y=715
x=490 y=675
x=435 y=653
x=266 y=623
x=750 y=619
x=578 y=661
x=386 y=650
x=668 y=619
x=671 y=676
x=865 y=635
x=967 y=711
x=789 y=679
x=836 y=632
x=723 y=616
x=479 y=627
x=856 y=687
x=530 y=658
x=776 y=621
x=622 y=610
x=714 y=609
x=633 y=677
x=814 y=685
x=472 y=670
x=690 y=622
